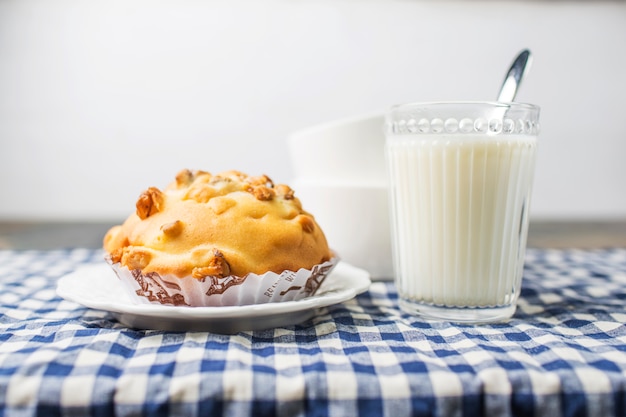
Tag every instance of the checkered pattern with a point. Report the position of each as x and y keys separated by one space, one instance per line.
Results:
x=563 y=354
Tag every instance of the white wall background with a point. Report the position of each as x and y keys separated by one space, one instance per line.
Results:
x=101 y=99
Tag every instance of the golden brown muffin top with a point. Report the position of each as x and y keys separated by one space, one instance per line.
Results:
x=218 y=225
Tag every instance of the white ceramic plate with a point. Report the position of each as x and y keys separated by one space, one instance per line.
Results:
x=99 y=288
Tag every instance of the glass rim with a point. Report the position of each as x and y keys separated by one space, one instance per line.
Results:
x=465 y=103
x=463 y=117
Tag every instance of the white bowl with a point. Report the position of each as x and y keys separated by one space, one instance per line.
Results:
x=355 y=220
x=344 y=151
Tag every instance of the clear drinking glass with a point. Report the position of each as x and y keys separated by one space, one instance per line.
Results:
x=460 y=178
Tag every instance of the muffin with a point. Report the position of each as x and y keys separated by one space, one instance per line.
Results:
x=225 y=239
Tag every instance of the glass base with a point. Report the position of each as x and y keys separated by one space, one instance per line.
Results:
x=461 y=315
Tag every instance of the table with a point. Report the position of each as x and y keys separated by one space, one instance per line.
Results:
x=563 y=353
x=88 y=234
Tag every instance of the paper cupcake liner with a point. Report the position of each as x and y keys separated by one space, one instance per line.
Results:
x=153 y=288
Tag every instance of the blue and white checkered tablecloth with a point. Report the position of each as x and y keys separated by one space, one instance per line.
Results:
x=563 y=354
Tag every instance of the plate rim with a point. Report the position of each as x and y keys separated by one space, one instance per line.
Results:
x=357 y=281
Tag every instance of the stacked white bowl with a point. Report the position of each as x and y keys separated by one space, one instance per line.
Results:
x=340 y=177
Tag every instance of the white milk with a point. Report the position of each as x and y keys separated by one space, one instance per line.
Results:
x=461 y=216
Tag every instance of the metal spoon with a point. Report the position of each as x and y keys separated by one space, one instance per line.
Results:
x=508 y=91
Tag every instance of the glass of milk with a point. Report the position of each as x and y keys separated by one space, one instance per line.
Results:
x=460 y=178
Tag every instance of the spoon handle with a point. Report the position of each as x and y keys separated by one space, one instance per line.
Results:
x=513 y=78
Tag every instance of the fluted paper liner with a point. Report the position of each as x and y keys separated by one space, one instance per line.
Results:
x=227 y=291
